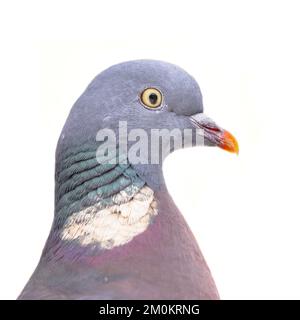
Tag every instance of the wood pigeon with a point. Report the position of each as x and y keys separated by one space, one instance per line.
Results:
x=117 y=233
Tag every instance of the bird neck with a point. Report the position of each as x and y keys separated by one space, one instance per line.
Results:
x=101 y=205
x=114 y=224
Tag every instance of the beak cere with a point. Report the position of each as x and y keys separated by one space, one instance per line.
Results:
x=214 y=134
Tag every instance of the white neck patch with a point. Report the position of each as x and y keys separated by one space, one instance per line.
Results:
x=115 y=225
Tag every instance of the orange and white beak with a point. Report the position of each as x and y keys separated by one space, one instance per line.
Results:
x=214 y=134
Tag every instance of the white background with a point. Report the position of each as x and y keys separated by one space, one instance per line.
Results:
x=243 y=210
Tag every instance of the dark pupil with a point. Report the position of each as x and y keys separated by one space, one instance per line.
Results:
x=153 y=98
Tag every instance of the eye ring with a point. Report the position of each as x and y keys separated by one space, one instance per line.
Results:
x=151 y=98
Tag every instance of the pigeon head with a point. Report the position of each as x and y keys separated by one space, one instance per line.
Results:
x=147 y=109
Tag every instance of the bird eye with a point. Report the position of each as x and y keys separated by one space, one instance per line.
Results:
x=151 y=98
